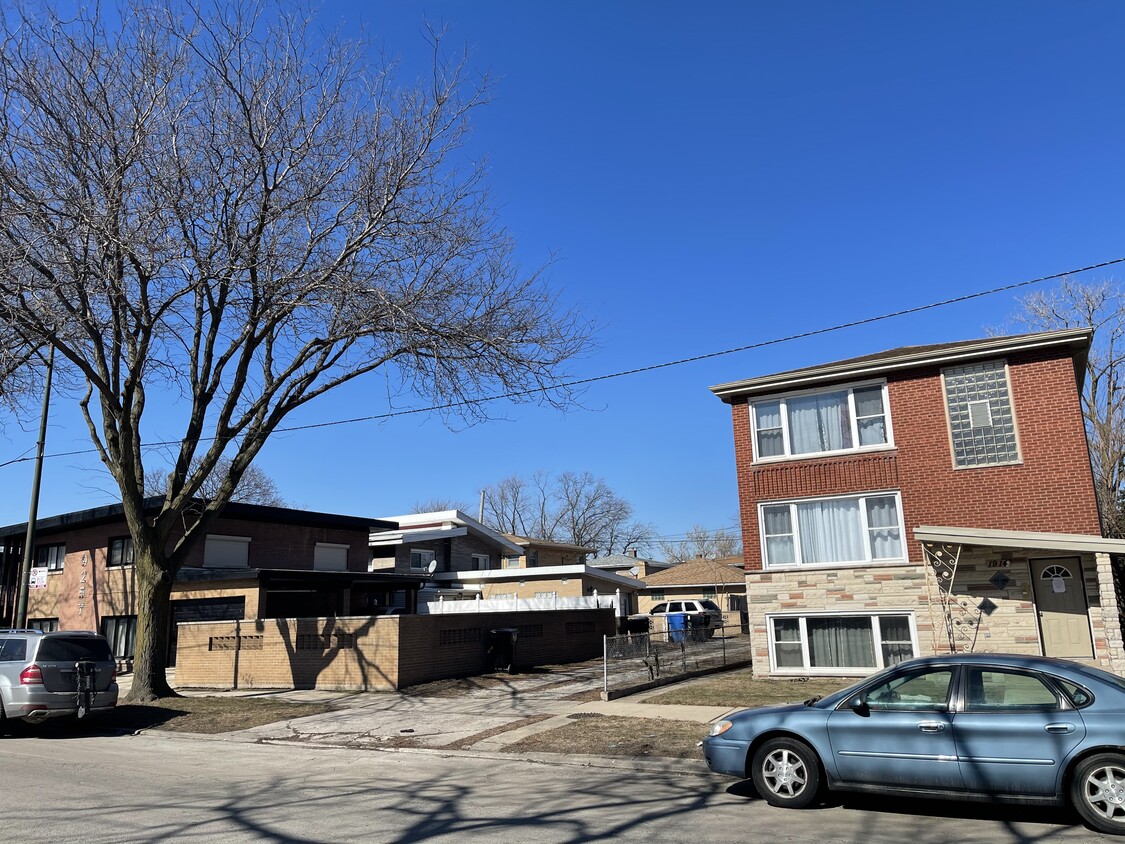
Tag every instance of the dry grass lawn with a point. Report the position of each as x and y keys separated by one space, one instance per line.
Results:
x=739 y=688
x=202 y=714
x=609 y=735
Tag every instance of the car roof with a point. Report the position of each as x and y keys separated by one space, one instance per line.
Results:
x=1041 y=663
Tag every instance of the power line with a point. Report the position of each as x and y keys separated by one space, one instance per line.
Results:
x=581 y=382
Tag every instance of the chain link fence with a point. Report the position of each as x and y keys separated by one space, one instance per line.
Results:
x=643 y=660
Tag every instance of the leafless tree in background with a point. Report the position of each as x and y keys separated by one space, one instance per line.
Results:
x=219 y=210
x=702 y=542
x=572 y=507
x=254 y=487
x=438 y=505
x=1100 y=306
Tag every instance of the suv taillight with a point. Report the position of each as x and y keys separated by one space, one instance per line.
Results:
x=31 y=676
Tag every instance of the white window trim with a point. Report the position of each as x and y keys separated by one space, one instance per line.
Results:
x=797 y=566
x=860 y=671
x=781 y=398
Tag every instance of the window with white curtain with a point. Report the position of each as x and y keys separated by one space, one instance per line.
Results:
x=835 y=643
x=832 y=531
x=842 y=419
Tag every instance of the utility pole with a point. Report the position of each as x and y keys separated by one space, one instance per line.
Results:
x=33 y=514
x=480 y=517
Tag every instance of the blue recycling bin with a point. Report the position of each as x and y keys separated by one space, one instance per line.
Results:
x=678 y=627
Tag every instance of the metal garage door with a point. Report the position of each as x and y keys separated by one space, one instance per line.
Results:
x=203 y=609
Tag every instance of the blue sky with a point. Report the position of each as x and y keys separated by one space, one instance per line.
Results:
x=712 y=175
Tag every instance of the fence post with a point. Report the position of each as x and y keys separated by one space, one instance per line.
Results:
x=605 y=665
x=237 y=648
x=477 y=604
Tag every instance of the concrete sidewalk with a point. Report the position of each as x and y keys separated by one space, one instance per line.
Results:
x=502 y=711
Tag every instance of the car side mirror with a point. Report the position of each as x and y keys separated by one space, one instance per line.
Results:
x=859 y=706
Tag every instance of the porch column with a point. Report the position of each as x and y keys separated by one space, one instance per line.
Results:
x=1110 y=603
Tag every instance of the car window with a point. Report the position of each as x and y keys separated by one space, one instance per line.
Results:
x=920 y=690
x=13 y=650
x=1078 y=696
x=65 y=649
x=676 y=606
x=996 y=690
x=710 y=605
x=659 y=608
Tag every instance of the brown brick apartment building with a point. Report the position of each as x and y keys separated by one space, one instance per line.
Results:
x=257 y=562
x=921 y=500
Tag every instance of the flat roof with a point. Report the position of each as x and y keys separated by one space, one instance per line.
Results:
x=1077 y=340
x=233 y=510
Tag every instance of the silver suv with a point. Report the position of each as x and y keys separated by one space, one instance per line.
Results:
x=45 y=675
x=704 y=614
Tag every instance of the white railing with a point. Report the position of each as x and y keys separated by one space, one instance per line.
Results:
x=590 y=602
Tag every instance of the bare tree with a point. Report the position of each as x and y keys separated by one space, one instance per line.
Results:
x=254 y=487
x=1100 y=306
x=222 y=206
x=572 y=507
x=438 y=505
x=702 y=542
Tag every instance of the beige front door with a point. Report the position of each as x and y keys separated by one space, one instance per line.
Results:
x=1060 y=598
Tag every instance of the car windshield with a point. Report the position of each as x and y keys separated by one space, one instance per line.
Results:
x=829 y=701
x=67 y=649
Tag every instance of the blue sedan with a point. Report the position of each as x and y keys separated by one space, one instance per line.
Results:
x=968 y=726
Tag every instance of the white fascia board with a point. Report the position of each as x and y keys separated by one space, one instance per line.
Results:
x=1074 y=542
x=540 y=573
x=455 y=523
x=857 y=370
x=402 y=537
x=711 y=584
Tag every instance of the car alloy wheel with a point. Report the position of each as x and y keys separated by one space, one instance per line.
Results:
x=786 y=773
x=1098 y=792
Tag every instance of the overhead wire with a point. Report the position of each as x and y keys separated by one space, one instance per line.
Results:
x=593 y=379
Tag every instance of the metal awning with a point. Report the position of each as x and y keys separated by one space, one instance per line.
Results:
x=985 y=538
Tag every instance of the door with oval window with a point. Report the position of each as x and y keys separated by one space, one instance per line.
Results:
x=1060 y=598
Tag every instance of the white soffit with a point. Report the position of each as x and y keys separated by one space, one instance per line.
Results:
x=1020 y=539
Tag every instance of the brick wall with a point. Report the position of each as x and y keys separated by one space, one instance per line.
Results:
x=1050 y=490
x=384 y=653
x=87 y=590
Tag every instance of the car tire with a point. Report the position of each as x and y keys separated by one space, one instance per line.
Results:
x=786 y=773
x=1097 y=792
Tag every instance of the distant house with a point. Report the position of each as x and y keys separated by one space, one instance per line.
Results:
x=471 y=560
x=543 y=552
x=257 y=562
x=924 y=500
x=625 y=564
x=721 y=581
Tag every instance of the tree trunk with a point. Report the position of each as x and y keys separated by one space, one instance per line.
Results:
x=154 y=590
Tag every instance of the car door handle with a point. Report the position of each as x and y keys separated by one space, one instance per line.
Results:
x=931 y=726
x=1059 y=728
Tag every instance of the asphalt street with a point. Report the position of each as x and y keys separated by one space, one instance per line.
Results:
x=169 y=787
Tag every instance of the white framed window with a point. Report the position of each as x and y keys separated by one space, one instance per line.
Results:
x=835 y=643
x=482 y=562
x=511 y=562
x=842 y=530
x=330 y=556
x=420 y=558
x=809 y=423
x=226 y=552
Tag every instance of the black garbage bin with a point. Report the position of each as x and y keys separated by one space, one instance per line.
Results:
x=502 y=648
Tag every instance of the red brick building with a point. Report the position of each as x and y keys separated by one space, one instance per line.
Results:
x=920 y=500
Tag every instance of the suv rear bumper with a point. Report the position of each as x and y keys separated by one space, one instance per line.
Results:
x=36 y=704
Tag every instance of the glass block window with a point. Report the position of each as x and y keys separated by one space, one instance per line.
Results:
x=981 y=421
